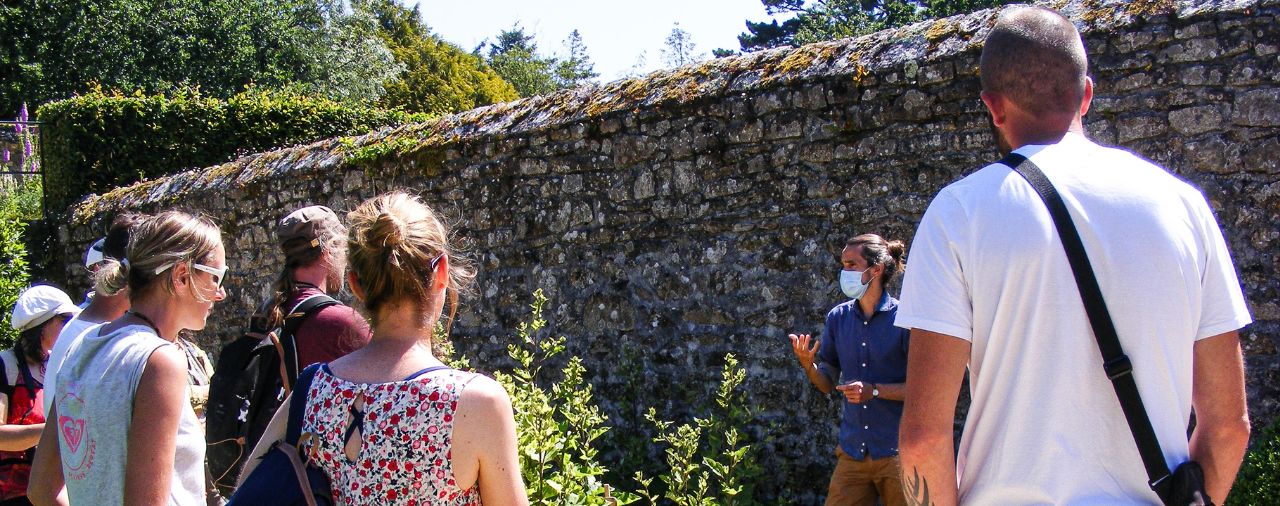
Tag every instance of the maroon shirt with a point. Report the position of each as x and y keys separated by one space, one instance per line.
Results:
x=328 y=333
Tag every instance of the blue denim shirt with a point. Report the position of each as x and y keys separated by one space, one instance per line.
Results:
x=871 y=350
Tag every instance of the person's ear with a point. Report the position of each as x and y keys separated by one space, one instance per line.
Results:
x=1088 y=96
x=996 y=106
x=441 y=276
x=180 y=274
x=356 y=289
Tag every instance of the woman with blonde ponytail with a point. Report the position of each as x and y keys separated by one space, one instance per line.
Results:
x=389 y=423
x=124 y=431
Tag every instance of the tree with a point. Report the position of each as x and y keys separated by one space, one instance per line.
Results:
x=514 y=56
x=819 y=20
x=576 y=68
x=349 y=62
x=437 y=77
x=680 y=49
x=57 y=48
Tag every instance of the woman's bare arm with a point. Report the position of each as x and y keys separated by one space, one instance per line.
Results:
x=47 y=485
x=485 y=430
x=16 y=438
x=153 y=429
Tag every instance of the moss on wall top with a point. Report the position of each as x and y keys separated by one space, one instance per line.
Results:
x=857 y=58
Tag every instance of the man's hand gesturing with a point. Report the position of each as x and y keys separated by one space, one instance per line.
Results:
x=800 y=345
x=855 y=392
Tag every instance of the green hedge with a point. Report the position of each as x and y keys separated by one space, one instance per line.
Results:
x=1259 y=480
x=102 y=140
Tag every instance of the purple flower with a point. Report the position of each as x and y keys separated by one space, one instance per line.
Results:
x=22 y=113
x=17 y=126
x=6 y=156
x=26 y=147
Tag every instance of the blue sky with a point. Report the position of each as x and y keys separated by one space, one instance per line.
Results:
x=616 y=33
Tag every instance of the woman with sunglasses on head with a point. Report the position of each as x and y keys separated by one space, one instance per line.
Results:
x=124 y=431
x=389 y=423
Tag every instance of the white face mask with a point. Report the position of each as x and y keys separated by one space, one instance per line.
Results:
x=851 y=284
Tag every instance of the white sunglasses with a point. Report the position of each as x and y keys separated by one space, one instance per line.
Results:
x=218 y=274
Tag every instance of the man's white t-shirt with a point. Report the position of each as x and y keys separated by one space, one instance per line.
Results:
x=986 y=266
x=72 y=332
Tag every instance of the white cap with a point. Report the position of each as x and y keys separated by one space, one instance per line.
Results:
x=94 y=254
x=39 y=304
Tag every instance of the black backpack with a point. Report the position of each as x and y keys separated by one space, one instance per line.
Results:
x=253 y=376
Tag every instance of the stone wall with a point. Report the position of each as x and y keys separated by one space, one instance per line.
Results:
x=675 y=218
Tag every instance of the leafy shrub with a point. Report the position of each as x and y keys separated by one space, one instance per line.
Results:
x=19 y=200
x=1259 y=480
x=708 y=461
x=102 y=140
x=558 y=429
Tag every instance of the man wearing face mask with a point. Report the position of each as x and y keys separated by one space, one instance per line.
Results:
x=863 y=356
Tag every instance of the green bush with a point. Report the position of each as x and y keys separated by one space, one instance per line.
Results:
x=1259 y=480
x=708 y=462
x=102 y=140
x=19 y=201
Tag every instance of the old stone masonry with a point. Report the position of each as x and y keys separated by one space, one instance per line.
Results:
x=676 y=217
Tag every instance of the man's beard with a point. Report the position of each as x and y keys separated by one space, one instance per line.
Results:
x=334 y=281
x=1002 y=144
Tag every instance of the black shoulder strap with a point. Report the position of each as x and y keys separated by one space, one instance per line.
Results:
x=1116 y=364
x=5 y=387
x=292 y=321
x=28 y=380
x=297 y=403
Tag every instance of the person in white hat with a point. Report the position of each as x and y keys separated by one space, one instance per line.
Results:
x=38 y=317
x=92 y=257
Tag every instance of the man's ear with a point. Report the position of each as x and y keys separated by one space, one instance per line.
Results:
x=1088 y=96
x=356 y=289
x=996 y=106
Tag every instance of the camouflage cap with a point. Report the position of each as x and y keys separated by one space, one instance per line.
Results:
x=307 y=228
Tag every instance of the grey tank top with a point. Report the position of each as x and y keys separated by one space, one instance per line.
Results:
x=96 y=388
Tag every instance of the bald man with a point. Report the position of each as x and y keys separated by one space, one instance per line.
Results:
x=990 y=288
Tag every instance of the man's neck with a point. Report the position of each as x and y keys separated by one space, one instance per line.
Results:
x=1039 y=134
x=870 y=300
x=316 y=276
x=103 y=309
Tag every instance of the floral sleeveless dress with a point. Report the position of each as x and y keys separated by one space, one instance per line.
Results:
x=406 y=432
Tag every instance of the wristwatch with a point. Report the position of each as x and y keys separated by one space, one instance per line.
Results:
x=875 y=390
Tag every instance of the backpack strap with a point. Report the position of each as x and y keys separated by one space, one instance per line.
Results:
x=287 y=345
x=6 y=387
x=298 y=403
x=1114 y=361
x=425 y=371
x=28 y=380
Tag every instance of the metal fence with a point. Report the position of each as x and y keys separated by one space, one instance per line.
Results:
x=20 y=155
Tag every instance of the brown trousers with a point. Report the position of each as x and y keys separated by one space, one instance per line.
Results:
x=862 y=482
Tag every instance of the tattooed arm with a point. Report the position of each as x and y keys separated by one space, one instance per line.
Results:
x=935 y=369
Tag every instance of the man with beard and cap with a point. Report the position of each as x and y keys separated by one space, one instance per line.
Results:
x=991 y=288
x=315 y=255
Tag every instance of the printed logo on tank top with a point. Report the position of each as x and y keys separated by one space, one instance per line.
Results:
x=77 y=446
